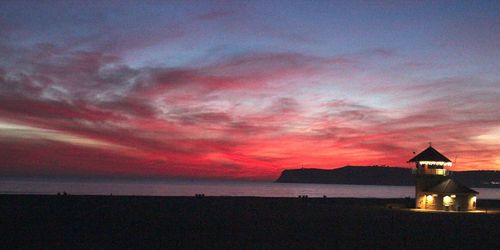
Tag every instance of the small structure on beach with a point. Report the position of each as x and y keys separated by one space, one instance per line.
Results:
x=435 y=189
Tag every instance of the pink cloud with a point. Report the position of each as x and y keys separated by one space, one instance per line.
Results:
x=237 y=117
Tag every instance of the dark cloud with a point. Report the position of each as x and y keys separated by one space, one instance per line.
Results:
x=58 y=110
x=129 y=105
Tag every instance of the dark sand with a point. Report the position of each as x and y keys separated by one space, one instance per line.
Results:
x=76 y=222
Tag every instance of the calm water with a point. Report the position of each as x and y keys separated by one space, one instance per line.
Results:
x=213 y=188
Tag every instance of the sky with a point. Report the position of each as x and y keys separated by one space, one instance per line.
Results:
x=245 y=89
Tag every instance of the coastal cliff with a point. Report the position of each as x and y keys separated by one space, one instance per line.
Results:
x=381 y=175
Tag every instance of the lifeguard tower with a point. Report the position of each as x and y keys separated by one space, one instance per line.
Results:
x=435 y=189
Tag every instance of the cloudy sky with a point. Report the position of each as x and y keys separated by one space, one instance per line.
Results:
x=245 y=89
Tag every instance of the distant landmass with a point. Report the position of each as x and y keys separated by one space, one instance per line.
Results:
x=381 y=175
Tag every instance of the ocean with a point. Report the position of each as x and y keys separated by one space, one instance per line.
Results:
x=214 y=188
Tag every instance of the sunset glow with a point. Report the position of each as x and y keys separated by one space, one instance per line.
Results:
x=243 y=90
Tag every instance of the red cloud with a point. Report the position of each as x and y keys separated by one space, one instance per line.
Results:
x=239 y=117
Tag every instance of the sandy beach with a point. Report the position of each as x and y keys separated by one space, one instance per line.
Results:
x=117 y=222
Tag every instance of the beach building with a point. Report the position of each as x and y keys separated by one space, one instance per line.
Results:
x=434 y=187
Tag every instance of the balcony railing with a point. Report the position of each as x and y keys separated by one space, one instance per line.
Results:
x=431 y=171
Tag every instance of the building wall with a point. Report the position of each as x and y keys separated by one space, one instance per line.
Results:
x=423 y=182
x=469 y=202
x=420 y=200
x=465 y=202
x=433 y=202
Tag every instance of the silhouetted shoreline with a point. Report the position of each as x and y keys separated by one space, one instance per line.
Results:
x=202 y=222
x=380 y=175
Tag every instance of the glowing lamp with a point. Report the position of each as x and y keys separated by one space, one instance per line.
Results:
x=429 y=198
x=438 y=163
x=447 y=200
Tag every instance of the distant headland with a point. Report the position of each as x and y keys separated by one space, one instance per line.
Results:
x=381 y=175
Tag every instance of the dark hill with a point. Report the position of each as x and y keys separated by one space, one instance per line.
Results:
x=378 y=175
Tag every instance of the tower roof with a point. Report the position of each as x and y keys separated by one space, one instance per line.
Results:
x=429 y=154
x=450 y=186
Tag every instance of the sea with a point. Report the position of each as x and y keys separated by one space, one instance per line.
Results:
x=214 y=188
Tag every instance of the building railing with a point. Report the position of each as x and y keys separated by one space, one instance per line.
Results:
x=428 y=171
